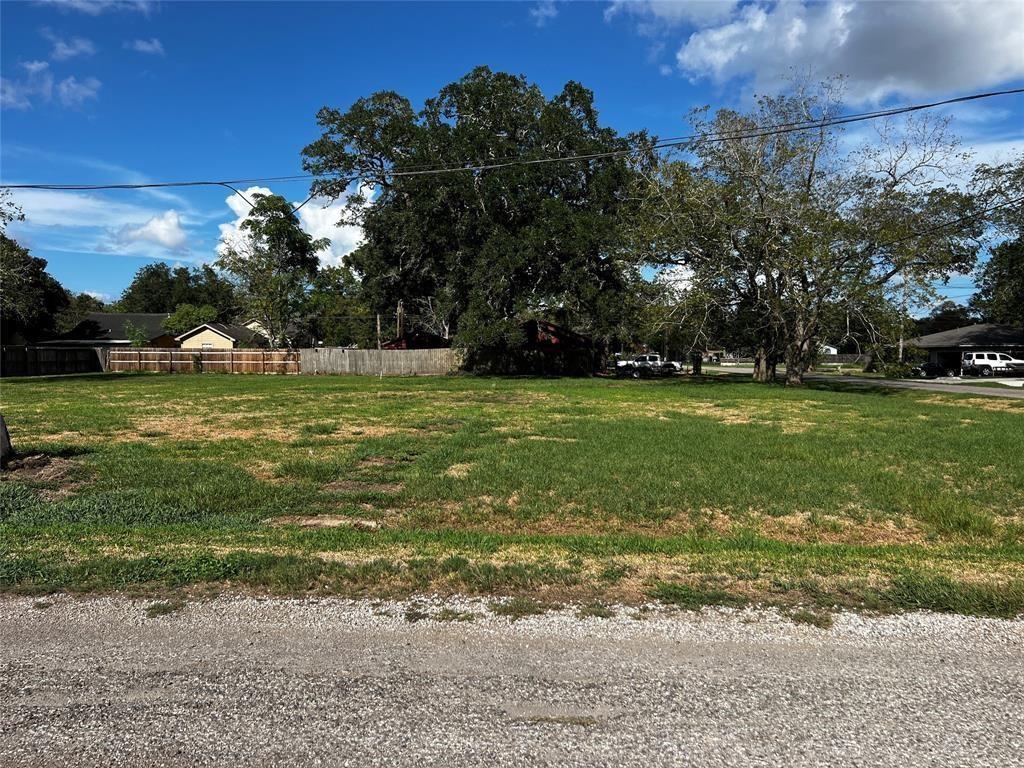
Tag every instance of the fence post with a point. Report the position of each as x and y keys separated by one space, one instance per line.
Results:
x=263 y=361
x=170 y=361
x=231 y=361
x=138 y=360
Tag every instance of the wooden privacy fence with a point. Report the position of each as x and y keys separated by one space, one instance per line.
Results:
x=204 y=361
x=325 y=360
x=50 y=361
x=381 y=362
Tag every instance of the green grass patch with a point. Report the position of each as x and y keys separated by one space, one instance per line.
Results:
x=692 y=492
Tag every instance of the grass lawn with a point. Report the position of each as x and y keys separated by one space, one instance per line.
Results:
x=689 y=492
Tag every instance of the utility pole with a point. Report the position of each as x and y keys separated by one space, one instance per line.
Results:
x=903 y=311
x=378 y=330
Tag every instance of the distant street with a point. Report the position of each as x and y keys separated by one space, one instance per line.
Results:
x=245 y=682
x=925 y=384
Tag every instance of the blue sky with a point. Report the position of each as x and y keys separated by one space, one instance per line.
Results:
x=98 y=91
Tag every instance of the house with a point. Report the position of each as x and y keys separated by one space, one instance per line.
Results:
x=827 y=349
x=947 y=347
x=112 y=329
x=293 y=335
x=220 y=336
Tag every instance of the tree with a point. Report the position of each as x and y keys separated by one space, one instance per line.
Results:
x=1000 y=279
x=149 y=291
x=9 y=210
x=784 y=229
x=79 y=305
x=272 y=262
x=136 y=334
x=188 y=316
x=476 y=252
x=1000 y=296
x=159 y=289
x=334 y=311
x=30 y=298
x=945 y=316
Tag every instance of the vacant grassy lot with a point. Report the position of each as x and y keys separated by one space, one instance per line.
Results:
x=685 y=491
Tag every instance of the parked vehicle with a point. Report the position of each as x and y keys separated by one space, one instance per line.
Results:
x=932 y=371
x=643 y=366
x=991 y=363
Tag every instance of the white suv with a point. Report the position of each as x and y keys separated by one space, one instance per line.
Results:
x=988 y=363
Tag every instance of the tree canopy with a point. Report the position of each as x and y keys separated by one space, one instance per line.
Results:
x=781 y=229
x=272 y=262
x=30 y=298
x=478 y=251
x=159 y=288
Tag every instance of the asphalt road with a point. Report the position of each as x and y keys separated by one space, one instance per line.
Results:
x=239 y=681
x=930 y=385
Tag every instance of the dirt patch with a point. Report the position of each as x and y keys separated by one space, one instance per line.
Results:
x=378 y=461
x=801 y=527
x=363 y=486
x=790 y=417
x=458 y=471
x=326 y=521
x=40 y=468
x=983 y=403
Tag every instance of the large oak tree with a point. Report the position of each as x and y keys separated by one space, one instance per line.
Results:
x=478 y=251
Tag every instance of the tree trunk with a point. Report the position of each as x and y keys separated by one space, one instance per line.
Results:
x=6 y=449
x=798 y=360
x=764 y=364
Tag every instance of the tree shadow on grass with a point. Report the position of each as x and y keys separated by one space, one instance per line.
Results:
x=855 y=388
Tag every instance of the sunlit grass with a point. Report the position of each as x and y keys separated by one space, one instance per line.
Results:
x=689 y=491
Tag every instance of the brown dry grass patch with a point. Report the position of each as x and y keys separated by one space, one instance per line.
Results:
x=363 y=486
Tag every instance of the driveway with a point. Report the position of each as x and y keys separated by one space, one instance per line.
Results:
x=250 y=682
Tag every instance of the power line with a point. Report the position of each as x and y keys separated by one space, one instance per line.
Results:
x=951 y=223
x=690 y=140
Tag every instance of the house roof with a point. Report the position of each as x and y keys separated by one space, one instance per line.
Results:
x=980 y=335
x=237 y=333
x=112 y=326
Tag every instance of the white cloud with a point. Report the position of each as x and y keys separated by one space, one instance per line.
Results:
x=152 y=46
x=74 y=92
x=67 y=49
x=319 y=217
x=37 y=84
x=99 y=296
x=97 y=7
x=164 y=230
x=907 y=48
x=12 y=96
x=52 y=208
x=231 y=233
x=35 y=67
x=543 y=12
x=671 y=12
x=79 y=222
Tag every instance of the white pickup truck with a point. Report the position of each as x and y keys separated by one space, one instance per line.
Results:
x=647 y=365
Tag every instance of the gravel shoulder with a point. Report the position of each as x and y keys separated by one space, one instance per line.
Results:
x=262 y=682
